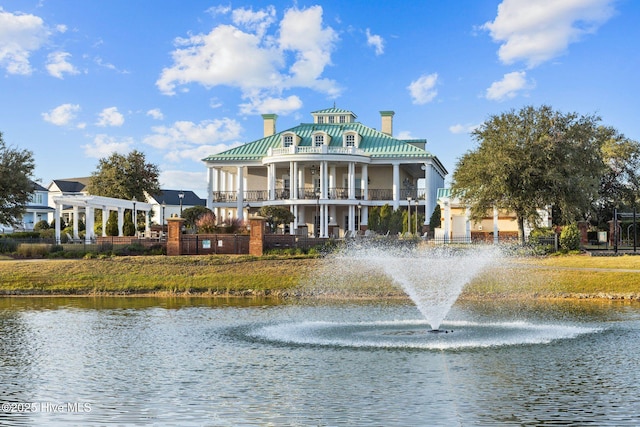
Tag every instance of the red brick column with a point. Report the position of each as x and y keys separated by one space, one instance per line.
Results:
x=583 y=226
x=256 y=237
x=174 y=236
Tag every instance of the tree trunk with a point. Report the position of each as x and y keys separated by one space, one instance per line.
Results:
x=521 y=230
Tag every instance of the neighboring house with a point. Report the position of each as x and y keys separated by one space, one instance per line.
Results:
x=456 y=226
x=171 y=202
x=328 y=173
x=67 y=187
x=36 y=210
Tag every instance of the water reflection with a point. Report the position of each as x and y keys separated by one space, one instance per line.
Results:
x=196 y=361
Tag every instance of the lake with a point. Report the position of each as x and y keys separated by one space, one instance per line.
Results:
x=251 y=362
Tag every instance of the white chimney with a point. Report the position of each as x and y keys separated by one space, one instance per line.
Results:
x=387 y=122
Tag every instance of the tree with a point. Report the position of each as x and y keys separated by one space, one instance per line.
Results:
x=436 y=218
x=124 y=177
x=191 y=215
x=620 y=184
x=530 y=159
x=276 y=216
x=16 y=185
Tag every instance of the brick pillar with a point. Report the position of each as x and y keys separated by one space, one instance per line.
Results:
x=256 y=237
x=174 y=236
x=583 y=226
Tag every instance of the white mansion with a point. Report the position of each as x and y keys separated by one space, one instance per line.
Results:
x=328 y=173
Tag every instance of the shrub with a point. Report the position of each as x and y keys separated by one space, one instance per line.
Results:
x=8 y=245
x=41 y=225
x=33 y=250
x=570 y=238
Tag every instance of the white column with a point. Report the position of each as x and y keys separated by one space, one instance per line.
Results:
x=323 y=180
x=76 y=211
x=240 y=191
x=352 y=180
x=147 y=226
x=293 y=181
x=301 y=180
x=429 y=203
x=447 y=220
x=120 y=221
x=89 y=214
x=467 y=225
x=333 y=178
x=396 y=186
x=352 y=216
x=365 y=182
x=210 y=187
x=57 y=214
x=271 y=178
x=105 y=218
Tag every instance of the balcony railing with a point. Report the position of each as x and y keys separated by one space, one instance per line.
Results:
x=336 y=193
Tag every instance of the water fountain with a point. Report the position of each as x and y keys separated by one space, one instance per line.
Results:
x=433 y=278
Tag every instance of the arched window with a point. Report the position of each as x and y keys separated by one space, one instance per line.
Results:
x=287 y=141
x=350 y=140
x=318 y=140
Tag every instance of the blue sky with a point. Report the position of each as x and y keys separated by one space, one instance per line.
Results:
x=179 y=80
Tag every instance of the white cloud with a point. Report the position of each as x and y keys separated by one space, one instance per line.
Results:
x=179 y=179
x=20 y=35
x=405 y=134
x=57 y=64
x=258 y=21
x=155 y=113
x=105 y=145
x=509 y=86
x=110 y=117
x=460 y=128
x=537 y=31
x=376 y=41
x=261 y=64
x=186 y=134
x=62 y=115
x=198 y=153
x=423 y=90
x=281 y=106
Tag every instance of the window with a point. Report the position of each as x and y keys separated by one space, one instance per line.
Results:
x=343 y=119
x=318 y=140
x=350 y=140
x=287 y=141
x=320 y=119
x=331 y=119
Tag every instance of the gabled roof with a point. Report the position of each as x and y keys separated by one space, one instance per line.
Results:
x=374 y=143
x=171 y=197
x=71 y=185
x=38 y=187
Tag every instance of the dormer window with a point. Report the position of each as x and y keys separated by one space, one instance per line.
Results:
x=343 y=119
x=287 y=141
x=331 y=119
x=351 y=139
x=320 y=119
x=318 y=140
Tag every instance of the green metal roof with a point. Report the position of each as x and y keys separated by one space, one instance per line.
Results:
x=374 y=143
x=334 y=110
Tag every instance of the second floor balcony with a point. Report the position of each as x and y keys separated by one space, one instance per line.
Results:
x=335 y=193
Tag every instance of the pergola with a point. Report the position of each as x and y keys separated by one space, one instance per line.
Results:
x=89 y=204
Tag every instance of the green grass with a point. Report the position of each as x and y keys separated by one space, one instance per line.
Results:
x=571 y=276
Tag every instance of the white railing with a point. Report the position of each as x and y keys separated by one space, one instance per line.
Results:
x=314 y=150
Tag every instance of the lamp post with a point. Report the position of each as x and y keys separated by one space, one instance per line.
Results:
x=417 y=205
x=181 y=196
x=316 y=224
x=409 y=214
x=164 y=205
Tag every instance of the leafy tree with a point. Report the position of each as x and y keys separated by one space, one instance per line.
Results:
x=276 y=216
x=16 y=185
x=124 y=177
x=191 y=215
x=41 y=225
x=620 y=184
x=570 y=238
x=128 y=229
x=531 y=159
x=436 y=218
x=112 y=224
